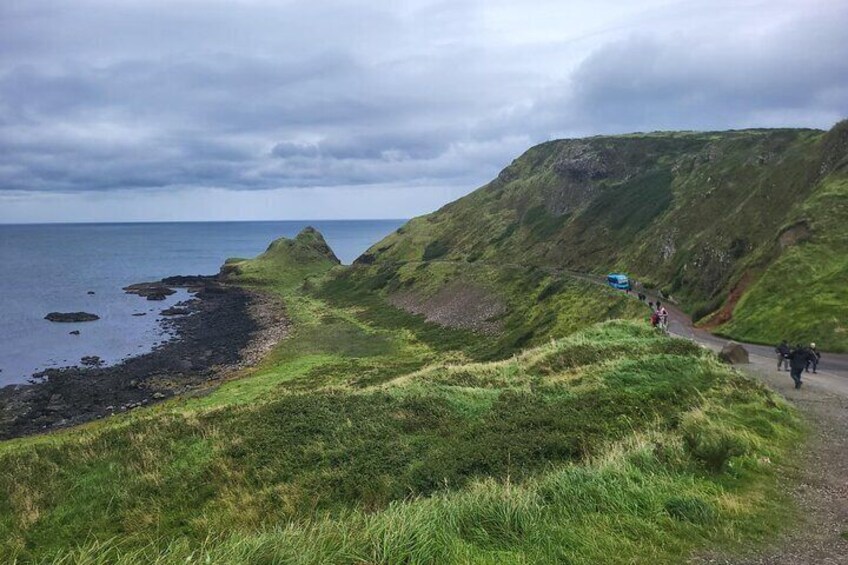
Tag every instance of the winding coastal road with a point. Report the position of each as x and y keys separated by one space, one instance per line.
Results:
x=680 y=324
x=832 y=365
x=818 y=480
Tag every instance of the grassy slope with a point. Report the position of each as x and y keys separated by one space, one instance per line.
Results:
x=540 y=304
x=371 y=436
x=692 y=213
x=803 y=296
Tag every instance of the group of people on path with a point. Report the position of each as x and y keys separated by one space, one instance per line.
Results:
x=797 y=359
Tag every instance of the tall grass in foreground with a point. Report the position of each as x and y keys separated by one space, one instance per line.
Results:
x=615 y=445
x=642 y=501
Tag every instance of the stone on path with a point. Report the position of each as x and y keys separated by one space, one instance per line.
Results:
x=734 y=354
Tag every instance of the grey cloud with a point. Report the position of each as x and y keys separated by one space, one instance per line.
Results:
x=97 y=96
x=798 y=70
x=388 y=147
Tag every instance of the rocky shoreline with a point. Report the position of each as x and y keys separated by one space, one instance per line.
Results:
x=220 y=330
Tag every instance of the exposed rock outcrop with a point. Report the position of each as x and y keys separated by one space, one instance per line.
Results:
x=835 y=148
x=734 y=354
x=71 y=317
x=456 y=305
x=151 y=291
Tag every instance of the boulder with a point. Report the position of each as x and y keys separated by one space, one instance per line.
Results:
x=68 y=317
x=174 y=311
x=151 y=291
x=91 y=361
x=734 y=354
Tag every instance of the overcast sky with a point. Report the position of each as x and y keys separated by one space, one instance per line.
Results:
x=122 y=110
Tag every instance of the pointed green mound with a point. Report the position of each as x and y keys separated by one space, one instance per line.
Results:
x=286 y=261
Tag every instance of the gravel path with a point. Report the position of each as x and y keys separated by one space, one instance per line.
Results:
x=820 y=487
x=820 y=484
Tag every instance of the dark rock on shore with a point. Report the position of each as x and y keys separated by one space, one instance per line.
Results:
x=151 y=291
x=91 y=361
x=211 y=290
x=68 y=317
x=219 y=336
x=193 y=281
x=175 y=311
x=140 y=314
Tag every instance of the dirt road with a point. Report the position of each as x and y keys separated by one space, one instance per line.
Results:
x=819 y=483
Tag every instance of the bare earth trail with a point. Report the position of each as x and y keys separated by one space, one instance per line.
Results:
x=820 y=481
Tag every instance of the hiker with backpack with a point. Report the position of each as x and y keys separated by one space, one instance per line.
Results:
x=798 y=359
x=782 y=351
x=815 y=357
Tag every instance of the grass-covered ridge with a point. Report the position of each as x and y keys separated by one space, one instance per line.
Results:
x=706 y=217
x=370 y=435
x=613 y=436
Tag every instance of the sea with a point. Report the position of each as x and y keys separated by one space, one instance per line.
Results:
x=83 y=267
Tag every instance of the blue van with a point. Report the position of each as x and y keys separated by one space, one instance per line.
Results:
x=619 y=281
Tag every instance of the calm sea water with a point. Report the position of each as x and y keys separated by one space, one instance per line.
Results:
x=46 y=268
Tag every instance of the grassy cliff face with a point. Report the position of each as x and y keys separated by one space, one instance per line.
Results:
x=702 y=216
x=371 y=435
x=510 y=307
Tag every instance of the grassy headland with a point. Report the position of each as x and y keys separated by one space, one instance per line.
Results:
x=747 y=229
x=372 y=435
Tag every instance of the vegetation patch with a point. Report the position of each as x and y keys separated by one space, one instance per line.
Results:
x=445 y=462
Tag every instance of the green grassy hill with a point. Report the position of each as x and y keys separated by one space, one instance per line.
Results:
x=747 y=229
x=371 y=435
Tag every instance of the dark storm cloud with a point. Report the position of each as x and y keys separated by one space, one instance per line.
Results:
x=256 y=95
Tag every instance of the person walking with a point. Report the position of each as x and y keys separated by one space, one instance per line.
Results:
x=782 y=351
x=798 y=359
x=663 y=315
x=815 y=356
x=655 y=319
